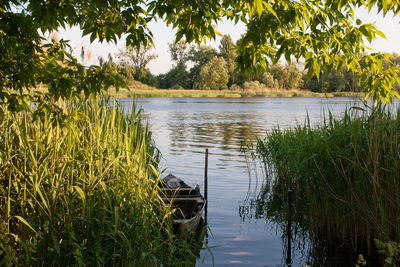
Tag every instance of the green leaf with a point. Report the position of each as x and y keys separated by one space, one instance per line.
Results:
x=380 y=34
x=258 y=6
x=271 y=10
x=25 y=222
x=80 y=192
x=93 y=37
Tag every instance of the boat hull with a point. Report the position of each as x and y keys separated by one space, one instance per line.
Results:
x=187 y=202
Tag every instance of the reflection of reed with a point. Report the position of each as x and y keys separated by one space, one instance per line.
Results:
x=265 y=201
x=269 y=201
x=252 y=169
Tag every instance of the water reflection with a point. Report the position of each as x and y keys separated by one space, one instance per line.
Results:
x=228 y=134
x=247 y=229
x=271 y=203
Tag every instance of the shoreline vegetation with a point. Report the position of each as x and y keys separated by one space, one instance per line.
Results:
x=153 y=92
x=80 y=187
x=344 y=175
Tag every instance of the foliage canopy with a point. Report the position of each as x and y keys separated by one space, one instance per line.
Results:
x=325 y=33
x=213 y=75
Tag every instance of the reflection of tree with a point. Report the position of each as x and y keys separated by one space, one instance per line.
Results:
x=197 y=129
x=228 y=131
x=179 y=130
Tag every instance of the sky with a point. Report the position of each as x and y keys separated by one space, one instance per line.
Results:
x=163 y=35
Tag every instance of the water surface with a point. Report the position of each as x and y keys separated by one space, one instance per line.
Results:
x=184 y=127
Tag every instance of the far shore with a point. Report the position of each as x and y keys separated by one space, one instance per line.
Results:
x=126 y=93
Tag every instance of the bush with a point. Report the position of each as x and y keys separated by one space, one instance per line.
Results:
x=176 y=87
x=254 y=85
x=235 y=87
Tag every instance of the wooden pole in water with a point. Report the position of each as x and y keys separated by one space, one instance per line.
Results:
x=206 y=190
x=289 y=229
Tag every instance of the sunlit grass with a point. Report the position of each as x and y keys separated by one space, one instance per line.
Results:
x=82 y=190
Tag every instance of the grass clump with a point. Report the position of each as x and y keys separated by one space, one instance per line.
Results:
x=345 y=175
x=81 y=189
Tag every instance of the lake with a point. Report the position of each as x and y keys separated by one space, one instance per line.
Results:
x=184 y=127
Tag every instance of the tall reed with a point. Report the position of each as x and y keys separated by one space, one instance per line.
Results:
x=81 y=189
x=345 y=174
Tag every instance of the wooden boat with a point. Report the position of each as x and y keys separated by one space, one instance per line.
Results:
x=187 y=201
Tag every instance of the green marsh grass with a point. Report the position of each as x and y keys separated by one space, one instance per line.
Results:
x=82 y=190
x=345 y=174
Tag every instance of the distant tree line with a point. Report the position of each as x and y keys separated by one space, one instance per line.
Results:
x=206 y=68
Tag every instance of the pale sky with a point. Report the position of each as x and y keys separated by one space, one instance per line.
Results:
x=163 y=35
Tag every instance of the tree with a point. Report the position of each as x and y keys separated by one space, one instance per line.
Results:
x=150 y=79
x=200 y=56
x=213 y=75
x=334 y=82
x=177 y=77
x=179 y=52
x=281 y=75
x=287 y=77
x=129 y=73
x=138 y=56
x=295 y=77
x=227 y=51
x=269 y=81
x=324 y=33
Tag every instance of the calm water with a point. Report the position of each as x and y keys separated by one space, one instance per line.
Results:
x=182 y=129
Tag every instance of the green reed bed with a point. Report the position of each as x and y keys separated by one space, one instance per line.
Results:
x=81 y=190
x=345 y=175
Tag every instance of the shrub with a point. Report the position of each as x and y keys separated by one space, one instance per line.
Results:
x=235 y=87
x=254 y=85
x=176 y=87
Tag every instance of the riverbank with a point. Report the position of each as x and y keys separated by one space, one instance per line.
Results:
x=135 y=92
